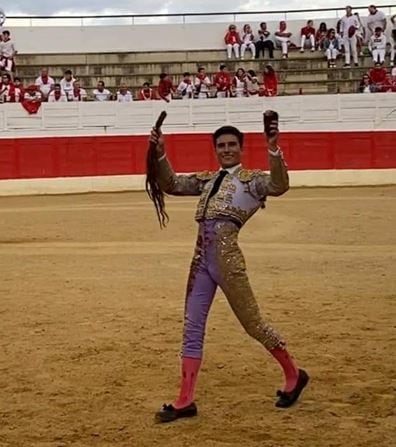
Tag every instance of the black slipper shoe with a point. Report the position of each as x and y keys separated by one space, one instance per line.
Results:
x=169 y=413
x=287 y=399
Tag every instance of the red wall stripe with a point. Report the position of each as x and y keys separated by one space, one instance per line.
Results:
x=112 y=155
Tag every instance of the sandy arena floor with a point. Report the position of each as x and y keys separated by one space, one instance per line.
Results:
x=91 y=303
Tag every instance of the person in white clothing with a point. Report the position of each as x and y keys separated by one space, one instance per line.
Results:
x=308 y=33
x=248 y=42
x=377 y=46
x=375 y=19
x=124 y=95
x=78 y=93
x=239 y=83
x=282 y=38
x=349 y=26
x=57 y=94
x=393 y=41
x=202 y=84
x=186 y=87
x=101 y=93
x=67 y=84
x=45 y=83
x=7 y=53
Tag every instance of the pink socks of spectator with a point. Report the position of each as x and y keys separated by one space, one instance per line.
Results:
x=289 y=368
x=189 y=373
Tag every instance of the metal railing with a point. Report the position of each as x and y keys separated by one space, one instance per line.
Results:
x=183 y=18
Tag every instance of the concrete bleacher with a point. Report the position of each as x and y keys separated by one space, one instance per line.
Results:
x=302 y=73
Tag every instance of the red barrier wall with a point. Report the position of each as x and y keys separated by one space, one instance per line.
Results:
x=116 y=155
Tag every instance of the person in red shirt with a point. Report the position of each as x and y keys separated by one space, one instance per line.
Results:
x=233 y=41
x=146 y=93
x=222 y=81
x=308 y=33
x=320 y=36
x=378 y=76
x=270 y=81
x=165 y=87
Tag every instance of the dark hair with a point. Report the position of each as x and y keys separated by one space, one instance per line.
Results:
x=378 y=29
x=222 y=66
x=323 y=27
x=252 y=73
x=200 y=69
x=101 y=82
x=186 y=73
x=17 y=79
x=68 y=72
x=146 y=83
x=6 y=32
x=309 y=21
x=228 y=130
x=163 y=75
x=262 y=23
x=270 y=68
x=7 y=75
x=57 y=85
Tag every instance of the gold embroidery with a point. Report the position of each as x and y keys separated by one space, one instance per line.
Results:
x=247 y=175
x=205 y=175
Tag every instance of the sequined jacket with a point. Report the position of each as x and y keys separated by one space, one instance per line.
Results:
x=240 y=195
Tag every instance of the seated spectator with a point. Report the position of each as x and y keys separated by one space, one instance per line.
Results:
x=148 y=94
x=7 y=54
x=202 y=84
x=248 y=42
x=67 y=84
x=222 y=82
x=186 y=87
x=124 y=95
x=7 y=89
x=375 y=19
x=264 y=42
x=320 y=36
x=19 y=90
x=366 y=86
x=57 y=94
x=32 y=94
x=78 y=94
x=252 y=83
x=165 y=87
x=378 y=77
x=239 y=84
x=331 y=47
x=308 y=33
x=282 y=37
x=233 y=41
x=45 y=84
x=270 y=87
x=377 y=46
x=101 y=93
x=393 y=41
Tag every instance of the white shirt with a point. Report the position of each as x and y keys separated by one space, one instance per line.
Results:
x=62 y=98
x=187 y=88
x=374 y=20
x=102 y=96
x=205 y=84
x=45 y=88
x=347 y=22
x=67 y=86
x=393 y=74
x=247 y=38
x=127 y=97
x=81 y=97
x=377 y=43
x=7 y=49
x=36 y=97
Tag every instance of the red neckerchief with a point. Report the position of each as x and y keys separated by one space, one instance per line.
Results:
x=150 y=93
x=78 y=95
x=44 y=79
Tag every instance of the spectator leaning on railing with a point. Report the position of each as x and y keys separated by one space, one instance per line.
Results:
x=78 y=94
x=57 y=94
x=166 y=88
x=186 y=87
x=101 y=93
x=202 y=84
x=67 y=83
x=366 y=85
x=124 y=95
x=146 y=93
x=44 y=83
x=222 y=82
x=239 y=83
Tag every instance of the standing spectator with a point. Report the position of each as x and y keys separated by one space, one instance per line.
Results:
x=264 y=42
x=321 y=35
x=186 y=88
x=248 y=42
x=45 y=84
x=7 y=89
x=308 y=33
x=202 y=84
x=222 y=82
x=252 y=83
x=101 y=93
x=375 y=19
x=377 y=46
x=67 y=84
x=165 y=87
x=366 y=86
x=233 y=41
x=148 y=94
x=339 y=37
x=57 y=94
x=393 y=41
x=19 y=90
x=349 y=26
x=270 y=81
x=282 y=37
x=239 y=83
x=78 y=93
x=7 y=54
x=124 y=95
x=331 y=47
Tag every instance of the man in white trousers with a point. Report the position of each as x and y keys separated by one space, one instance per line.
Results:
x=377 y=46
x=349 y=26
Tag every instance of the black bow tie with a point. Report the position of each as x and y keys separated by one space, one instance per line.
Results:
x=217 y=182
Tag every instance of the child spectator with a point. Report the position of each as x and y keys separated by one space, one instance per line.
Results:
x=331 y=48
x=252 y=83
x=165 y=87
x=124 y=95
x=186 y=88
x=78 y=94
x=264 y=42
x=148 y=94
x=45 y=84
x=101 y=93
x=377 y=46
x=67 y=84
x=202 y=84
x=7 y=53
x=233 y=41
x=239 y=83
x=57 y=94
x=222 y=82
x=248 y=42
x=270 y=81
x=320 y=36
x=282 y=37
x=349 y=26
x=308 y=33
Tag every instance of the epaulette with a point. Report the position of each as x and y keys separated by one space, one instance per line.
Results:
x=205 y=175
x=247 y=175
